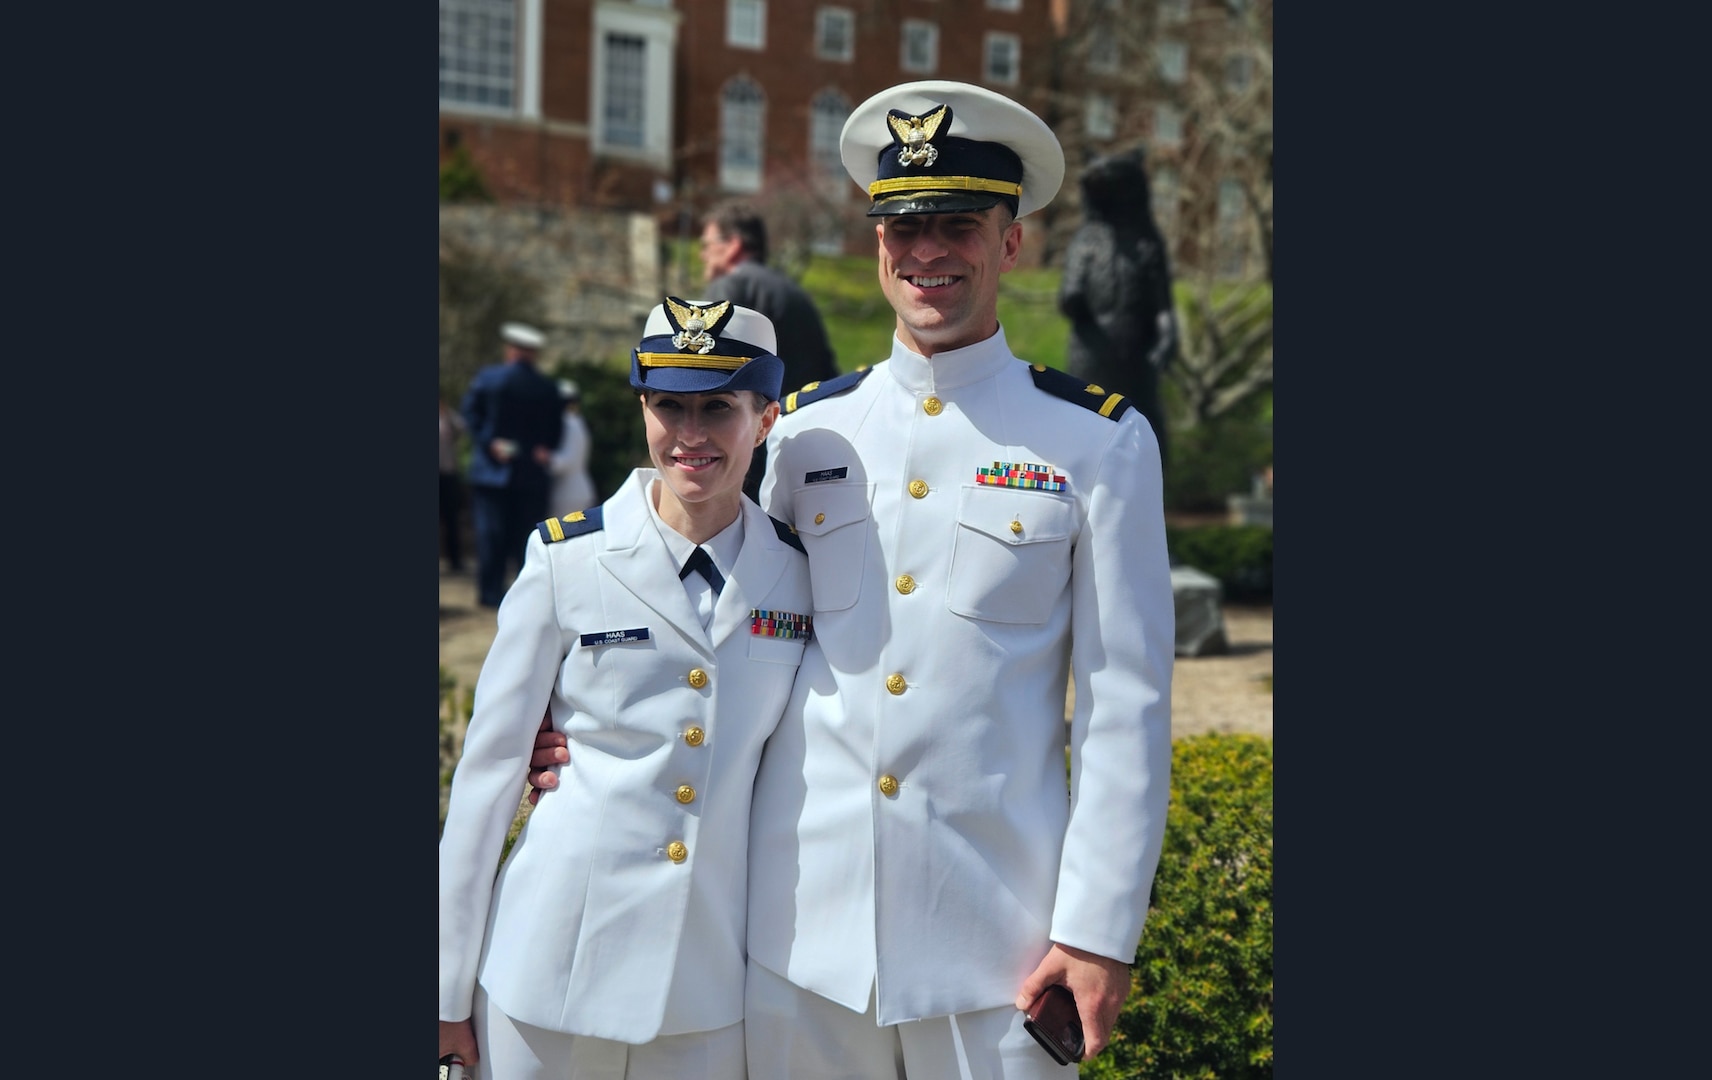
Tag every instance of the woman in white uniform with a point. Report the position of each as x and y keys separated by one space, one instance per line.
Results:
x=661 y=633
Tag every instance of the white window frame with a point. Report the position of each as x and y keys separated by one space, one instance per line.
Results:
x=746 y=24
x=521 y=56
x=1100 y=116
x=998 y=41
x=824 y=18
x=1173 y=60
x=742 y=126
x=658 y=27
x=1167 y=125
x=928 y=32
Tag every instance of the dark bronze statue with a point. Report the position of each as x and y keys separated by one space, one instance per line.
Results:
x=1116 y=290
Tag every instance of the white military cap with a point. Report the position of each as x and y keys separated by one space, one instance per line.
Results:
x=523 y=334
x=936 y=147
x=705 y=346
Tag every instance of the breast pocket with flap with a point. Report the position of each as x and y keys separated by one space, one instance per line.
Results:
x=1011 y=559
x=832 y=521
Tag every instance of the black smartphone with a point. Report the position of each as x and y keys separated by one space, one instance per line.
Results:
x=1055 y=1024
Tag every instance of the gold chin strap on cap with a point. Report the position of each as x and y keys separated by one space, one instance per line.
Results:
x=916 y=185
x=690 y=360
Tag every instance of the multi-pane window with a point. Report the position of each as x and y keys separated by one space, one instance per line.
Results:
x=920 y=47
x=1231 y=232
x=1164 y=191
x=835 y=33
x=826 y=122
x=1167 y=126
x=623 y=103
x=630 y=80
x=1173 y=57
x=1239 y=72
x=742 y=119
x=478 y=48
x=746 y=23
x=1101 y=116
x=1103 y=54
x=1003 y=58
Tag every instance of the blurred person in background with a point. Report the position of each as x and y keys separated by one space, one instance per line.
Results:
x=734 y=265
x=516 y=421
x=573 y=488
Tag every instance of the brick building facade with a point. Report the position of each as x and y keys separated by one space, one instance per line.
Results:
x=666 y=106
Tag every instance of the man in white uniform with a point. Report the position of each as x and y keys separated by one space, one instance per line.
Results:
x=980 y=531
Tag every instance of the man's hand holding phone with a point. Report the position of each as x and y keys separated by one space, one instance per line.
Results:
x=1097 y=986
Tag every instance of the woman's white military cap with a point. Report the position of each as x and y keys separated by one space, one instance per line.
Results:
x=523 y=334
x=937 y=147
x=703 y=346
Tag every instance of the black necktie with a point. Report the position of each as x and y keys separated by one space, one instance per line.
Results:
x=701 y=562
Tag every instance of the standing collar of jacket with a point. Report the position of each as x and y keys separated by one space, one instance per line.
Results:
x=952 y=368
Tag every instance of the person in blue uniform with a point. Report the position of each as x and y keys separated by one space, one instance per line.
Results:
x=515 y=422
x=983 y=533
x=661 y=633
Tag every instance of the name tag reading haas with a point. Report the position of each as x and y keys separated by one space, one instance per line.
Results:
x=616 y=637
x=826 y=474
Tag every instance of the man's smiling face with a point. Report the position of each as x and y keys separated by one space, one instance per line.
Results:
x=940 y=272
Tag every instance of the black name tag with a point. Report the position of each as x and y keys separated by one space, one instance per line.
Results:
x=615 y=637
x=826 y=474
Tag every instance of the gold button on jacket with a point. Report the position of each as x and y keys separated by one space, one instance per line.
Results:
x=888 y=784
x=694 y=736
x=698 y=678
x=932 y=406
x=918 y=488
x=906 y=584
x=895 y=683
x=686 y=794
x=819 y=518
x=677 y=852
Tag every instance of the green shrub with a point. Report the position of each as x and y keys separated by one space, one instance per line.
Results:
x=1208 y=463
x=460 y=180
x=1240 y=556
x=1200 y=1007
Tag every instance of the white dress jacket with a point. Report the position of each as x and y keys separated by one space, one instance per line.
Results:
x=591 y=927
x=911 y=822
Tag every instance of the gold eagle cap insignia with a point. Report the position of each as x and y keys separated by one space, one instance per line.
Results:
x=696 y=326
x=915 y=135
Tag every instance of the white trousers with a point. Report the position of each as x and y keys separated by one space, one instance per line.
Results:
x=514 y=1051
x=794 y=1034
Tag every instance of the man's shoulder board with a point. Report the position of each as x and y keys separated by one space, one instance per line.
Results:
x=815 y=391
x=1086 y=394
x=787 y=534
x=563 y=528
